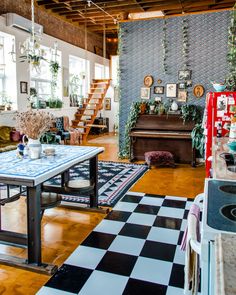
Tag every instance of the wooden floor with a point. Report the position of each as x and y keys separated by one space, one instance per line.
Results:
x=64 y=229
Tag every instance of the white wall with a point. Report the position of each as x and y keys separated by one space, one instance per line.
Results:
x=22 y=73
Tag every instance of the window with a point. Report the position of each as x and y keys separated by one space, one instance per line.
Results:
x=101 y=71
x=78 y=76
x=114 y=70
x=42 y=80
x=7 y=70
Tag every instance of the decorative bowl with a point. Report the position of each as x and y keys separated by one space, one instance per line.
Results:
x=219 y=87
x=232 y=146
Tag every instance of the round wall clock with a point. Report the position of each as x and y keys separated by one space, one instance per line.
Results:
x=148 y=81
x=198 y=90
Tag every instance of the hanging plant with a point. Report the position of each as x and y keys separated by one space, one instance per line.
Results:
x=230 y=80
x=164 y=47
x=54 y=69
x=185 y=43
x=135 y=110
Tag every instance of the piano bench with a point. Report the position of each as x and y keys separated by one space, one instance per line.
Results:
x=159 y=158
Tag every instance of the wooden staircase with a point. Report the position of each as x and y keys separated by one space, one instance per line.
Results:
x=85 y=116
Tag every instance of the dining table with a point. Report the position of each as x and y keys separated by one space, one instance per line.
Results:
x=31 y=174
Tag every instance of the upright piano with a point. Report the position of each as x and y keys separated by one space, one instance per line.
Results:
x=162 y=133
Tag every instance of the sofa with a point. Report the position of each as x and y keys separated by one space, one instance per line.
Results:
x=9 y=138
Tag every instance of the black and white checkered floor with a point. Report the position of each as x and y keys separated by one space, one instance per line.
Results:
x=134 y=250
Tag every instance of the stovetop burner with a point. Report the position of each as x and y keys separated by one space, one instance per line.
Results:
x=221 y=205
x=229 y=211
x=230 y=189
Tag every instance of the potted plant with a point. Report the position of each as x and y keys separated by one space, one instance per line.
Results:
x=191 y=112
x=198 y=138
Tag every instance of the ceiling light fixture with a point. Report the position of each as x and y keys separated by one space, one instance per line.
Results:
x=91 y=2
x=30 y=50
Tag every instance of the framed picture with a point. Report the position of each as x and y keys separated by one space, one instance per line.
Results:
x=182 y=85
x=116 y=94
x=189 y=83
x=148 y=81
x=184 y=75
x=171 y=90
x=23 y=87
x=145 y=93
x=65 y=79
x=107 y=103
x=158 y=89
x=182 y=95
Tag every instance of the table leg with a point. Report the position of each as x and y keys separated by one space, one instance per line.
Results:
x=93 y=169
x=34 y=224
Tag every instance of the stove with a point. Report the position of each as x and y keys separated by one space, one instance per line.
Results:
x=219 y=216
x=221 y=205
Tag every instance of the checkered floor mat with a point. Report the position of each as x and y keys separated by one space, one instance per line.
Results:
x=134 y=250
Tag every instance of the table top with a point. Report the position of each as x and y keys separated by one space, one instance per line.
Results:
x=32 y=172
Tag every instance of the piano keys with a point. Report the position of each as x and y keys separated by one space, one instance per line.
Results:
x=162 y=133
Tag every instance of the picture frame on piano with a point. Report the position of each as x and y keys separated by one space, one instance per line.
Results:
x=171 y=90
x=145 y=92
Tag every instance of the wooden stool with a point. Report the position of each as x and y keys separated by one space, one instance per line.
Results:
x=80 y=186
x=159 y=158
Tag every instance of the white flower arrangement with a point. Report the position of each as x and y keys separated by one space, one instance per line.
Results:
x=34 y=123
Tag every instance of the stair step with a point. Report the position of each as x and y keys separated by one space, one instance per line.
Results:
x=96 y=125
x=101 y=80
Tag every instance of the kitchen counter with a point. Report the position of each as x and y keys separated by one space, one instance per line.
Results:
x=225 y=254
x=220 y=171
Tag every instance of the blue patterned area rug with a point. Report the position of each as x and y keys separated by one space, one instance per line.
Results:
x=114 y=180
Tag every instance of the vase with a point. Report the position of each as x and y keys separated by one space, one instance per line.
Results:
x=174 y=106
x=34 y=147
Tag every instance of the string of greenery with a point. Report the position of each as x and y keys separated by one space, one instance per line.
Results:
x=185 y=43
x=132 y=119
x=230 y=80
x=164 y=47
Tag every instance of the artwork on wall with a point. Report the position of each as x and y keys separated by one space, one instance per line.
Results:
x=182 y=85
x=148 y=81
x=23 y=87
x=189 y=83
x=116 y=94
x=158 y=89
x=65 y=81
x=145 y=93
x=171 y=90
x=107 y=103
x=182 y=95
x=198 y=90
x=184 y=75
x=159 y=81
